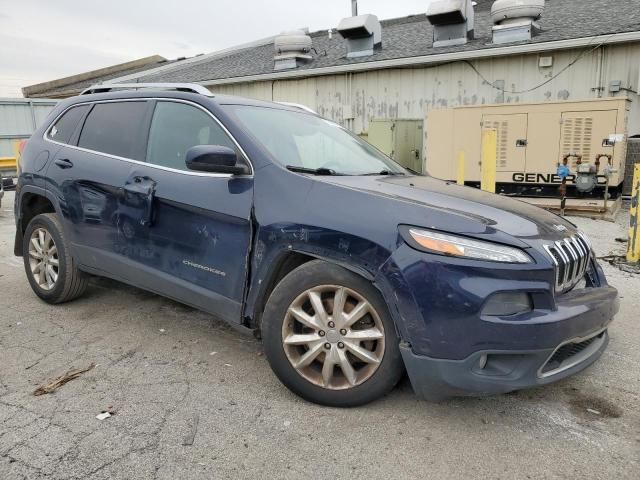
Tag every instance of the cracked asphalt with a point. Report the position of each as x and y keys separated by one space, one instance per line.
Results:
x=194 y=399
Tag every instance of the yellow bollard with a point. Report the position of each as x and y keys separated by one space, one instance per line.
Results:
x=460 y=176
x=489 y=160
x=633 y=253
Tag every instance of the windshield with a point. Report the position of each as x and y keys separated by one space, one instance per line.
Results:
x=305 y=141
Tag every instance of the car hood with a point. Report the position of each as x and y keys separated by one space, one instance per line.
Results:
x=483 y=213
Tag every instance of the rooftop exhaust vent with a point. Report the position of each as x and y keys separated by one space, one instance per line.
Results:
x=363 y=33
x=515 y=20
x=452 y=21
x=292 y=49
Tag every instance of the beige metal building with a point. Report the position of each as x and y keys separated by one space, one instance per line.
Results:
x=579 y=53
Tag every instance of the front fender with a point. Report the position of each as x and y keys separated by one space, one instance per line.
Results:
x=275 y=242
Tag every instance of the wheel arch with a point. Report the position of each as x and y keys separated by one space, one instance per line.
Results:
x=280 y=267
x=32 y=201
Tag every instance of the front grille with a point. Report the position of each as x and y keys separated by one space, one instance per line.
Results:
x=571 y=257
x=573 y=353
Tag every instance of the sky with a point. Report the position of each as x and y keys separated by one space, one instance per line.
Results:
x=42 y=40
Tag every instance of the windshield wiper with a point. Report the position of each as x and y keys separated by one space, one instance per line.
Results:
x=385 y=172
x=313 y=171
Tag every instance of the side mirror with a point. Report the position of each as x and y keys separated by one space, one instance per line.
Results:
x=214 y=159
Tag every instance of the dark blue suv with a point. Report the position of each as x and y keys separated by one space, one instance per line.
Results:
x=277 y=221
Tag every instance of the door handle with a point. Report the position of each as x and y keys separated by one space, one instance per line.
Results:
x=64 y=163
x=143 y=187
x=140 y=186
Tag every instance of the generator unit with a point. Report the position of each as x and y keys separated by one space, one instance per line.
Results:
x=587 y=137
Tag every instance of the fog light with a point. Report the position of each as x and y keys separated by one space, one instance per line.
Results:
x=506 y=304
x=483 y=361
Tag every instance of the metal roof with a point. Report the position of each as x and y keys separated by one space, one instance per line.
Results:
x=411 y=37
x=64 y=87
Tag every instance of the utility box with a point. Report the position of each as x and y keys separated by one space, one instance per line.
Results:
x=400 y=140
x=532 y=140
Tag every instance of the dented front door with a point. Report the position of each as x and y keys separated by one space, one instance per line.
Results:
x=187 y=233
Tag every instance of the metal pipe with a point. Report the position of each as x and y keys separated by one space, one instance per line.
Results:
x=633 y=252
x=599 y=72
x=354 y=8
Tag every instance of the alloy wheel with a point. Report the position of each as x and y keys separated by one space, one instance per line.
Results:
x=333 y=337
x=43 y=259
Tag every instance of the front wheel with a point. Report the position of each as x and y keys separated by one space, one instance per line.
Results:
x=329 y=337
x=50 y=269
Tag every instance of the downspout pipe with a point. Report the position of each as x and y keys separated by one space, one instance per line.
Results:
x=354 y=8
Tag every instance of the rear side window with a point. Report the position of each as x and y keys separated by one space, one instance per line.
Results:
x=175 y=128
x=115 y=128
x=63 y=129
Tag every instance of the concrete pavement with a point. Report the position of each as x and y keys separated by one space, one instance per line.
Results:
x=174 y=376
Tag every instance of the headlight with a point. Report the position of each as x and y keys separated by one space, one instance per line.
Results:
x=455 y=246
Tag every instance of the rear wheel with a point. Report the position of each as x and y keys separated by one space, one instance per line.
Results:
x=329 y=337
x=50 y=268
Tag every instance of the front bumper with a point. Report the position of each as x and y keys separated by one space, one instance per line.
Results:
x=450 y=349
x=493 y=372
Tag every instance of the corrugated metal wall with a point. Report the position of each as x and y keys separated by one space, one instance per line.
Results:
x=18 y=119
x=355 y=99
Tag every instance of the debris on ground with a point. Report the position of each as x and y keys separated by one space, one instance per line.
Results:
x=28 y=367
x=591 y=410
x=61 y=380
x=191 y=436
x=621 y=240
x=103 y=415
x=621 y=263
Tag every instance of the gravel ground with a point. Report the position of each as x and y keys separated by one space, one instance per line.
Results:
x=194 y=399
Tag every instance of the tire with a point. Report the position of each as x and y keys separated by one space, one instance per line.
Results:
x=70 y=282
x=339 y=363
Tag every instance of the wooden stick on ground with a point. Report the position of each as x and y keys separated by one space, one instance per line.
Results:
x=61 y=380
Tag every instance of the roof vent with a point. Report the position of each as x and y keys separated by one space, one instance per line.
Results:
x=363 y=33
x=452 y=22
x=292 y=49
x=515 y=20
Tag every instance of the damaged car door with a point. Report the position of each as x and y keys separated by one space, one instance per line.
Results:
x=188 y=231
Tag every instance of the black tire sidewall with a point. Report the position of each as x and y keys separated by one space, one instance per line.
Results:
x=57 y=292
x=308 y=276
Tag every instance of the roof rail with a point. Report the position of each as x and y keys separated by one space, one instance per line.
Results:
x=298 y=106
x=181 y=87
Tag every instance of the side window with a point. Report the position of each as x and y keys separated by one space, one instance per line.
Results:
x=175 y=128
x=116 y=128
x=63 y=129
